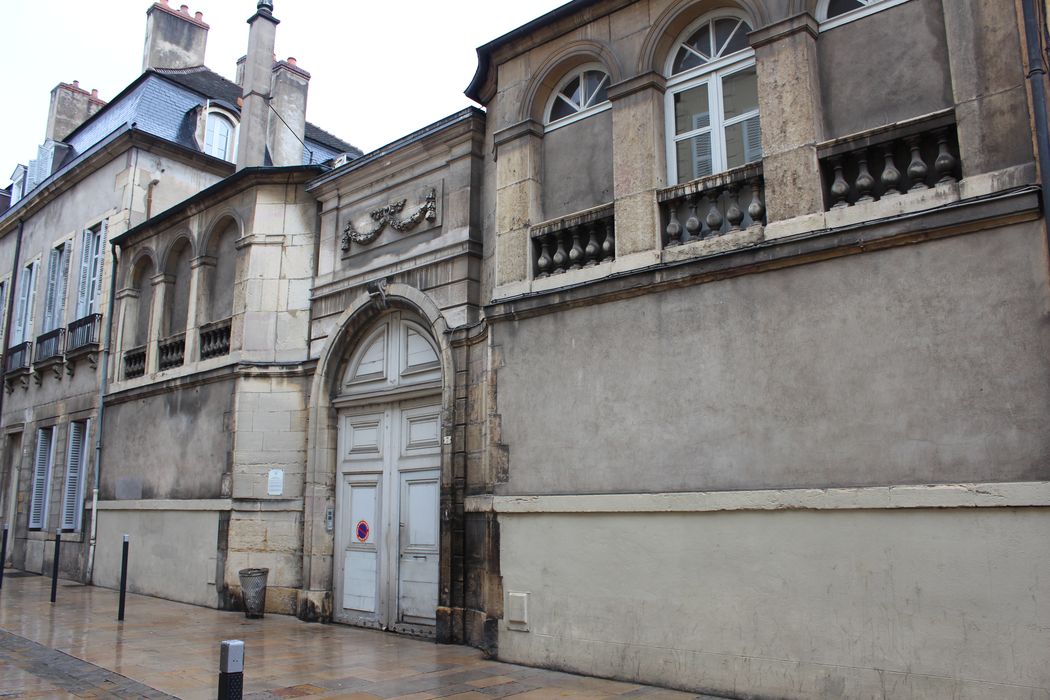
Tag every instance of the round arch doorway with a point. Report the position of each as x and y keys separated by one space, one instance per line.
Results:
x=388 y=480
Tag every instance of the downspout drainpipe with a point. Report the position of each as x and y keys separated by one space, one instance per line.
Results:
x=1036 y=75
x=102 y=386
x=7 y=334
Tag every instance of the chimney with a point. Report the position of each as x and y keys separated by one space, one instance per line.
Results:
x=174 y=38
x=255 y=115
x=288 y=99
x=70 y=107
x=240 y=70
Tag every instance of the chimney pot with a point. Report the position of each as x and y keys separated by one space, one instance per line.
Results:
x=291 y=60
x=94 y=93
x=76 y=83
x=199 y=16
x=184 y=9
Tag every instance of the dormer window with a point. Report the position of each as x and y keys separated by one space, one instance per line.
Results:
x=582 y=92
x=219 y=137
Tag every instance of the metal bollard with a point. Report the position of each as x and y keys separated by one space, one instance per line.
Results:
x=54 y=569
x=123 y=578
x=3 y=556
x=231 y=670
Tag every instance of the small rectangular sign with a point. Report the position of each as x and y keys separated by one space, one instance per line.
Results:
x=275 y=484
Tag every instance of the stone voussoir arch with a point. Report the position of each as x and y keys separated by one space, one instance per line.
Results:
x=546 y=78
x=680 y=14
x=216 y=224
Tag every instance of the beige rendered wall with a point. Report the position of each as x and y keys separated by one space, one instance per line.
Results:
x=171 y=553
x=890 y=603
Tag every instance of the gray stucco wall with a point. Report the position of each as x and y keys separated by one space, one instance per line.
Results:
x=577 y=166
x=887 y=67
x=174 y=445
x=919 y=364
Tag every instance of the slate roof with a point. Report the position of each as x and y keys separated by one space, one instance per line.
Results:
x=163 y=101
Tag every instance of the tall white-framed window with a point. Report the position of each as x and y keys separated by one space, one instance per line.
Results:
x=89 y=274
x=219 y=133
x=711 y=113
x=581 y=93
x=833 y=13
x=41 y=491
x=57 y=285
x=23 y=329
x=76 y=466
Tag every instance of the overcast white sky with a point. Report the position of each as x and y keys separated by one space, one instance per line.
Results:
x=380 y=70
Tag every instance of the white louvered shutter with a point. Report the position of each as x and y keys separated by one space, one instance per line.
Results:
x=101 y=238
x=51 y=293
x=63 y=285
x=32 y=300
x=3 y=307
x=84 y=274
x=20 y=311
x=41 y=477
x=702 y=165
x=74 y=474
x=752 y=140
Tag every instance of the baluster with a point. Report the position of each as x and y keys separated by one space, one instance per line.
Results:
x=734 y=214
x=593 y=249
x=674 y=229
x=576 y=254
x=917 y=167
x=839 y=186
x=865 y=182
x=560 y=256
x=608 y=243
x=543 y=263
x=944 y=165
x=714 y=216
x=756 y=209
x=693 y=227
x=891 y=177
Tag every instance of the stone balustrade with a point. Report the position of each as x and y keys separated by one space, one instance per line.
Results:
x=574 y=242
x=49 y=346
x=83 y=333
x=890 y=162
x=171 y=351
x=215 y=339
x=713 y=206
x=135 y=362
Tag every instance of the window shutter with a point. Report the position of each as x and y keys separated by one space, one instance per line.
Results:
x=3 y=307
x=50 y=294
x=752 y=139
x=31 y=301
x=41 y=477
x=84 y=276
x=23 y=301
x=74 y=471
x=101 y=238
x=702 y=164
x=63 y=285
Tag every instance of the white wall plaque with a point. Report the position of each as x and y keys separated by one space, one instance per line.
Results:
x=275 y=484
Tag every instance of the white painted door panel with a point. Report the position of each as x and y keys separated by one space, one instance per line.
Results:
x=418 y=572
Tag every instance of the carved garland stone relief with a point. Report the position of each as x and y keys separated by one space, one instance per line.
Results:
x=390 y=216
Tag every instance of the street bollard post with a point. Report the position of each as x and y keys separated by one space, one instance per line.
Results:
x=54 y=568
x=3 y=556
x=231 y=669
x=123 y=578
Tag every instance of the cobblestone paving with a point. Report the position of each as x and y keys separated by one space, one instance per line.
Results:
x=77 y=649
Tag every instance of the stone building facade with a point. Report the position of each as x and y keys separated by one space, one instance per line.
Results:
x=710 y=354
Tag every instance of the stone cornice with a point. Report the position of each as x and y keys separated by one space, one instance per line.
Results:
x=802 y=22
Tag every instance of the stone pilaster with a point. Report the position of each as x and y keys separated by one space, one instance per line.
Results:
x=639 y=161
x=162 y=285
x=790 y=109
x=519 y=153
x=200 y=268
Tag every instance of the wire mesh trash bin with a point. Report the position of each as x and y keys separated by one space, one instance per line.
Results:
x=253 y=589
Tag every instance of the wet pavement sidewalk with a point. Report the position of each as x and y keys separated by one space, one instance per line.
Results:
x=77 y=649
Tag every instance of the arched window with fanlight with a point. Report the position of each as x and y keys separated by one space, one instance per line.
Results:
x=581 y=93
x=832 y=13
x=712 y=99
x=220 y=137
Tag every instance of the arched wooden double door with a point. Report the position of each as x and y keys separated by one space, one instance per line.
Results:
x=389 y=480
